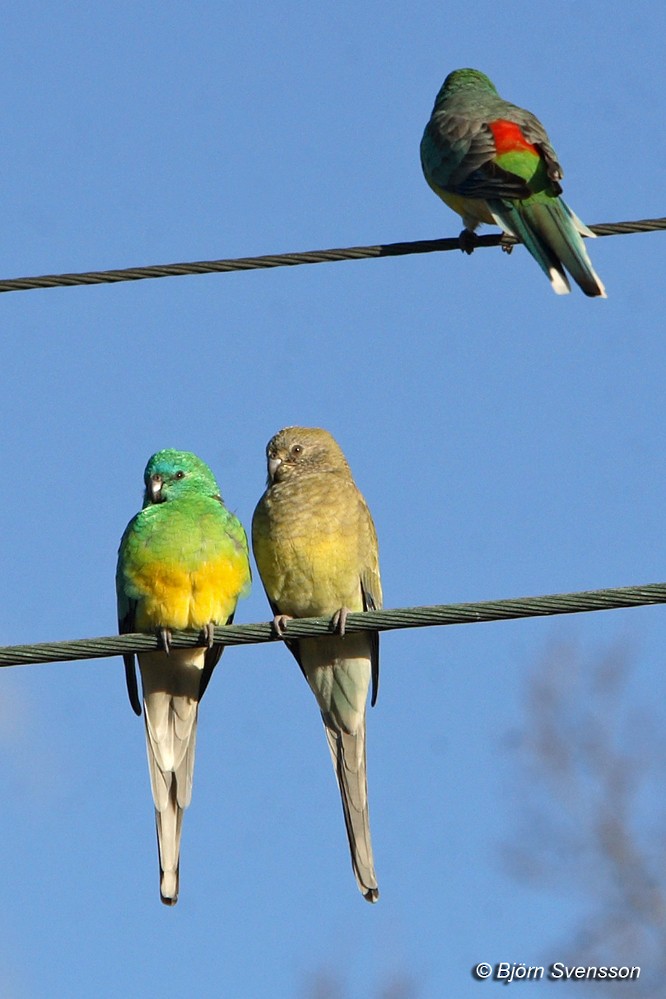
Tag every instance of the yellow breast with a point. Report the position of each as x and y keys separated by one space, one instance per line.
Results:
x=310 y=577
x=173 y=597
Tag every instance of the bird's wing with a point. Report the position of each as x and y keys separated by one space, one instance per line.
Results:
x=371 y=589
x=126 y=627
x=462 y=155
x=211 y=659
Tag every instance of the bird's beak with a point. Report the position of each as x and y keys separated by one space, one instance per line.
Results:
x=273 y=465
x=155 y=488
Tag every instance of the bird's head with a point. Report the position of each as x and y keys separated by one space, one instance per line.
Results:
x=299 y=450
x=172 y=474
x=465 y=79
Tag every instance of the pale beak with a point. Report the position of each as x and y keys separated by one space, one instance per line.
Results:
x=155 y=488
x=273 y=465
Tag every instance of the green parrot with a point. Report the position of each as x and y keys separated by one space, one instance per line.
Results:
x=182 y=563
x=492 y=161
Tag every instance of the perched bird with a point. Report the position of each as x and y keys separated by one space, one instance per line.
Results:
x=182 y=563
x=493 y=162
x=316 y=549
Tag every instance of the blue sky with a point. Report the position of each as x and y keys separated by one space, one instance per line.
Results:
x=509 y=442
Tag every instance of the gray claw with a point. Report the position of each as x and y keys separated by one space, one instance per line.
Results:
x=339 y=621
x=280 y=622
x=164 y=636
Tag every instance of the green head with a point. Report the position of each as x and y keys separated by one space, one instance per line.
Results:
x=465 y=79
x=172 y=475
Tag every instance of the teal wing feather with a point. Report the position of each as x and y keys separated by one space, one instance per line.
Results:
x=552 y=233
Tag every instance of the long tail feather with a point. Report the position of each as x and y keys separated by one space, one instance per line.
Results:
x=339 y=673
x=171 y=766
x=348 y=755
x=169 y=824
x=170 y=699
x=553 y=235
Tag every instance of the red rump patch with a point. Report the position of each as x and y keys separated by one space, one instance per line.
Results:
x=509 y=138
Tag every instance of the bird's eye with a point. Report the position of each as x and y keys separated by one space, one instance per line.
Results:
x=179 y=475
x=296 y=450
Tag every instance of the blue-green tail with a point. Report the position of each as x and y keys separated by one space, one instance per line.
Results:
x=553 y=235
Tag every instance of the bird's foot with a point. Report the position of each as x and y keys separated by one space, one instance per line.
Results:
x=507 y=242
x=468 y=241
x=208 y=633
x=280 y=622
x=164 y=635
x=339 y=621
